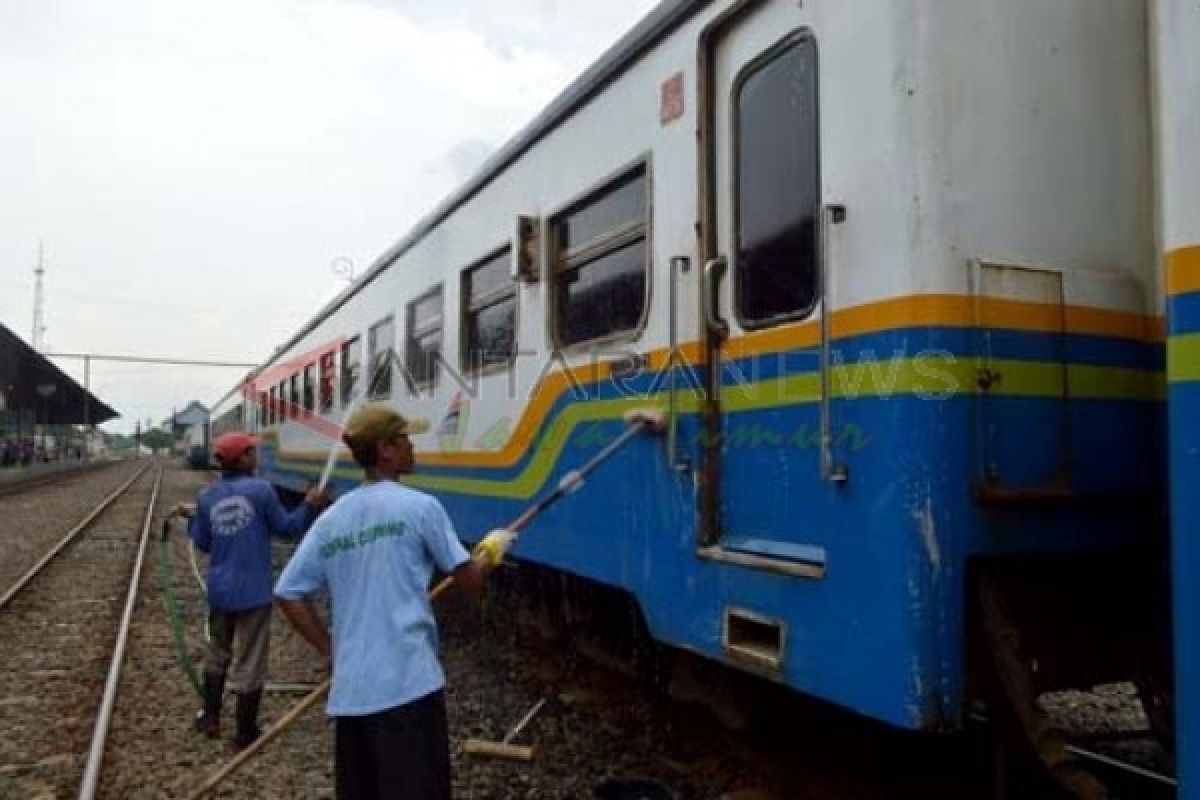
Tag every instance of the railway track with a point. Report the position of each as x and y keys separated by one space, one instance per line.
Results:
x=65 y=621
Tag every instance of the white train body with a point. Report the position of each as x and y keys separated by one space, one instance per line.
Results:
x=984 y=230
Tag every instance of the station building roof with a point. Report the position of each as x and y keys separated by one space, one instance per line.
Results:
x=31 y=384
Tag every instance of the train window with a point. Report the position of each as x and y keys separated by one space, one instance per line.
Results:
x=489 y=313
x=599 y=258
x=423 y=344
x=351 y=366
x=281 y=412
x=310 y=387
x=294 y=397
x=272 y=403
x=777 y=192
x=262 y=410
x=381 y=342
x=328 y=363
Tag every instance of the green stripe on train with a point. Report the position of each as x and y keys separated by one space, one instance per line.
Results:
x=934 y=377
x=1183 y=358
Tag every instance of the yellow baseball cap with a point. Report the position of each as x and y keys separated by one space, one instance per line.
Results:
x=378 y=422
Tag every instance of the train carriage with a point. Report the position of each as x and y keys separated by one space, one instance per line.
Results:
x=890 y=265
x=1177 y=60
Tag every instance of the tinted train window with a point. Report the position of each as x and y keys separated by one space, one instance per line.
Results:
x=294 y=398
x=489 y=313
x=423 y=344
x=325 y=392
x=351 y=367
x=600 y=262
x=778 y=189
x=381 y=341
x=310 y=387
x=263 y=420
x=272 y=405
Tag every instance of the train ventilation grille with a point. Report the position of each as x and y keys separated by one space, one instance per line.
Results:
x=754 y=639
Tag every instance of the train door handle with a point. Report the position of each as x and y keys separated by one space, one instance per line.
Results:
x=714 y=271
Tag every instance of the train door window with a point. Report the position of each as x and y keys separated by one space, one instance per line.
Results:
x=599 y=262
x=777 y=192
x=489 y=313
x=423 y=344
x=310 y=387
x=351 y=366
x=294 y=397
x=381 y=343
x=325 y=399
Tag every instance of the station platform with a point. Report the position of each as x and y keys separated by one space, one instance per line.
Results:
x=13 y=477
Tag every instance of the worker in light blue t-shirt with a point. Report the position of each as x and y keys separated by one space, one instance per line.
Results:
x=233 y=521
x=375 y=550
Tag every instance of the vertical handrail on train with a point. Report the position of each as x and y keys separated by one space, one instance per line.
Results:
x=679 y=266
x=831 y=216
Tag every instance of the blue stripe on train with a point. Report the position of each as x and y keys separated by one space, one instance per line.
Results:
x=1184 y=313
x=1184 y=427
x=880 y=634
x=959 y=342
x=1185 y=544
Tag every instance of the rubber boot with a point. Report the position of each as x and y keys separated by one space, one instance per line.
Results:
x=247 y=719
x=208 y=721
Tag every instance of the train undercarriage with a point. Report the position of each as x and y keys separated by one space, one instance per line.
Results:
x=1069 y=678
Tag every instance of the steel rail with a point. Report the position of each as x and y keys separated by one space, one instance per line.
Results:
x=71 y=535
x=1124 y=766
x=91 y=772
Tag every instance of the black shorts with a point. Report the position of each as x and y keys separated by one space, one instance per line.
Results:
x=399 y=754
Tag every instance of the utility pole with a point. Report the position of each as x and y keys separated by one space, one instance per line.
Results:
x=39 y=300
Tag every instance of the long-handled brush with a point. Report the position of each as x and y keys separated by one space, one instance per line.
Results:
x=640 y=420
x=335 y=445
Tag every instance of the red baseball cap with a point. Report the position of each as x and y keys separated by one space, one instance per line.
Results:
x=230 y=446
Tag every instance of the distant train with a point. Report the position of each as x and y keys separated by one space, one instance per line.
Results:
x=893 y=266
x=193 y=446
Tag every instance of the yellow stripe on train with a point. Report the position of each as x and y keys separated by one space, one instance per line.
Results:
x=1183 y=271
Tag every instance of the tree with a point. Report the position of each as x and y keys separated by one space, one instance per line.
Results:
x=157 y=440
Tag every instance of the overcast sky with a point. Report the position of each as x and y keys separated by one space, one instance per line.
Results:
x=195 y=166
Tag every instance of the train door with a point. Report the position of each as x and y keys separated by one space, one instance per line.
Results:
x=762 y=209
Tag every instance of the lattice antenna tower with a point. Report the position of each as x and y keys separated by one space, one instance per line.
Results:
x=39 y=300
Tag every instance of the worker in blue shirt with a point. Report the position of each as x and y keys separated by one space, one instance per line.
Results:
x=375 y=550
x=233 y=521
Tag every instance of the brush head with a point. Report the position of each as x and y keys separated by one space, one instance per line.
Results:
x=651 y=419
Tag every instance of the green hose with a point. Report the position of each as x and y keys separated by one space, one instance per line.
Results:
x=172 y=606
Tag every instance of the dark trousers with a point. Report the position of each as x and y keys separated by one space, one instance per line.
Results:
x=252 y=629
x=399 y=754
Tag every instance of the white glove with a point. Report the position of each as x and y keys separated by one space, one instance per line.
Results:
x=495 y=545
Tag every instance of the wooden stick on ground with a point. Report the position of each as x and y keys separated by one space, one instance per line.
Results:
x=505 y=748
x=279 y=727
x=482 y=747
